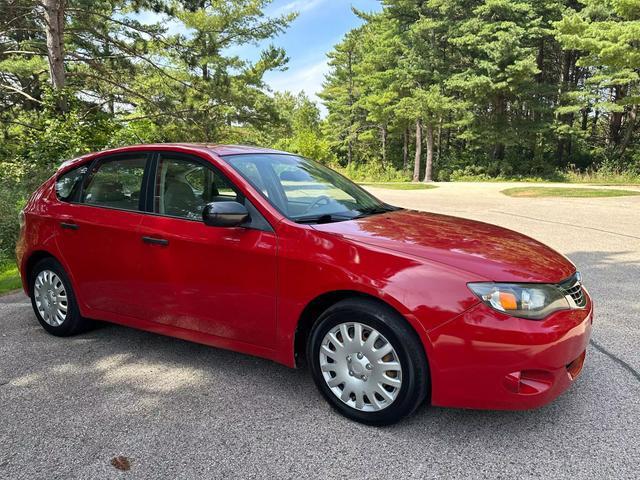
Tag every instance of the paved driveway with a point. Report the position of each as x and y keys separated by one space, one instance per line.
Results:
x=180 y=410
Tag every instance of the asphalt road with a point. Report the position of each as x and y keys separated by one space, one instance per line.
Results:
x=180 y=410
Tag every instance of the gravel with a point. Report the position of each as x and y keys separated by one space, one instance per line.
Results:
x=120 y=403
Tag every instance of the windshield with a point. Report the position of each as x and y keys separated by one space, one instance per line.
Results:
x=304 y=190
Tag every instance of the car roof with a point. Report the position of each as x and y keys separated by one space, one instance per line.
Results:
x=217 y=149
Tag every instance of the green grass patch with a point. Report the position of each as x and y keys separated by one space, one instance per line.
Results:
x=531 y=192
x=400 y=185
x=9 y=278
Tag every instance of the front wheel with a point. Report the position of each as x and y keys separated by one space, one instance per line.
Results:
x=368 y=362
x=54 y=301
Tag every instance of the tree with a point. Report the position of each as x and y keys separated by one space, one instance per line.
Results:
x=300 y=128
x=429 y=107
x=100 y=54
x=54 y=11
x=377 y=75
x=607 y=35
x=340 y=94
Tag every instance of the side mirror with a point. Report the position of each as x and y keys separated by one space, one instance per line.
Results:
x=225 y=214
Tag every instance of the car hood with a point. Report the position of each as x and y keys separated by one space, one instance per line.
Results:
x=491 y=252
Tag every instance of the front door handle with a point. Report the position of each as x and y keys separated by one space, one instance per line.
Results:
x=69 y=226
x=155 y=241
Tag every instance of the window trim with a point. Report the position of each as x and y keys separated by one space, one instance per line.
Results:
x=97 y=162
x=147 y=190
x=263 y=225
x=77 y=188
x=269 y=200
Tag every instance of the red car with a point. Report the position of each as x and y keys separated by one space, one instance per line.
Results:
x=274 y=255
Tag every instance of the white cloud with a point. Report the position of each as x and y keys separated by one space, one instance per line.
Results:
x=306 y=77
x=298 y=6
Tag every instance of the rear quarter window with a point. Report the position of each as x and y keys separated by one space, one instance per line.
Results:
x=68 y=183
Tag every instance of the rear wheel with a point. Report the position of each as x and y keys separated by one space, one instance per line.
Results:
x=54 y=301
x=368 y=362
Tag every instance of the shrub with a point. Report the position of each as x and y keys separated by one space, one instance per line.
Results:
x=372 y=172
x=17 y=181
x=308 y=144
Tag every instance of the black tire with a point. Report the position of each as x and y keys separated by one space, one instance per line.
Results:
x=73 y=322
x=410 y=352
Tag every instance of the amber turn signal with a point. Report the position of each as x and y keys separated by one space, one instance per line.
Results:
x=508 y=301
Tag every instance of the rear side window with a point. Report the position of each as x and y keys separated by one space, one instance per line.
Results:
x=68 y=183
x=116 y=183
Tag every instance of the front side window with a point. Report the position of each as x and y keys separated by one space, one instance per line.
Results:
x=116 y=183
x=68 y=183
x=184 y=187
x=304 y=190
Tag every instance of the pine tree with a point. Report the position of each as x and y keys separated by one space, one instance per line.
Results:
x=340 y=95
x=607 y=36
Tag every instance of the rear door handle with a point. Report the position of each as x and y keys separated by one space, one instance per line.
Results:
x=69 y=226
x=155 y=241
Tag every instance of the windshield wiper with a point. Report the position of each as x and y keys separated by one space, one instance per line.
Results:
x=332 y=217
x=365 y=212
x=325 y=218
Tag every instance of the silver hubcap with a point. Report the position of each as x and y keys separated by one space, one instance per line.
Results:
x=51 y=298
x=360 y=366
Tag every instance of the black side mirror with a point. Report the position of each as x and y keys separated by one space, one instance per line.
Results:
x=225 y=214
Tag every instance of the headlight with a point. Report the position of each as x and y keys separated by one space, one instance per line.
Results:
x=526 y=300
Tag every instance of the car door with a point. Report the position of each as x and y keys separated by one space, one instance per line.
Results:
x=215 y=280
x=98 y=234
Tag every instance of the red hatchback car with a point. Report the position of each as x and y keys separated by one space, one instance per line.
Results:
x=275 y=255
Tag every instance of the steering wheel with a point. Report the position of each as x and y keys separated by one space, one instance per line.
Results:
x=318 y=201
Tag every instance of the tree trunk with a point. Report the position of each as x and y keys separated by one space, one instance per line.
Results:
x=540 y=62
x=205 y=65
x=405 y=149
x=383 y=135
x=500 y=110
x=54 y=20
x=585 y=118
x=569 y=79
x=428 y=171
x=439 y=150
x=416 y=161
x=629 y=127
x=560 y=152
x=351 y=103
x=615 y=120
x=447 y=144
x=498 y=151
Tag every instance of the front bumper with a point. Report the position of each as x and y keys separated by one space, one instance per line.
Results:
x=487 y=360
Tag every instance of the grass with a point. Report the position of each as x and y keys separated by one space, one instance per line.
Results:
x=530 y=192
x=399 y=185
x=9 y=278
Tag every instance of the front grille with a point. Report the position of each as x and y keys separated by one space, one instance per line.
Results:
x=573 y=287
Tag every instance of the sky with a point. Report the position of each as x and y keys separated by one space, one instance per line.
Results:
x=320 y=25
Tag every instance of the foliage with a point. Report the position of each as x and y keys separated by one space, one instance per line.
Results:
x=491 y=88
x=436 y=89
x=371 y=172
x=299 y=130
